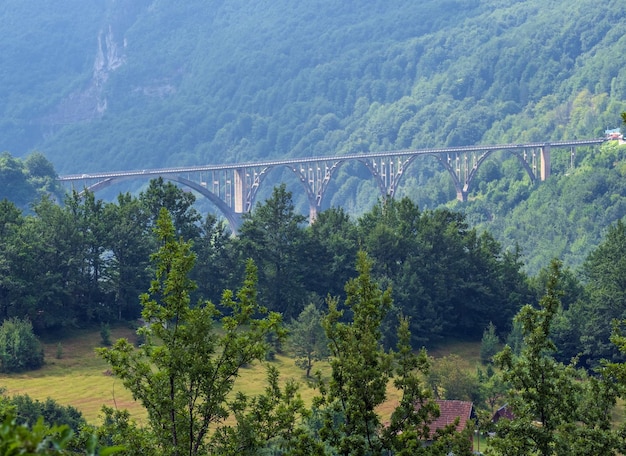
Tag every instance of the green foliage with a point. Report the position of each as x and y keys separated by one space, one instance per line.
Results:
x=266 y=424
x=489 y=344
x=408 y=426
x=217 y=265
x=40 y=439
x=34 y=435
x=604 y=269
x=131 y=241
x=20 y=348
x=449 y=380
x=272 y=236
x=571 y=210
x=119 y=429
x=25 y=181
x=334 y=245
x=360 y=367
x=493 y=390
x=583 y=327
x=28 y=411
x=308 y=339
x=447 y=277
x=179 y=204
x=185 y=369
x=345 y=415
x=105 y=334
x=554 y=411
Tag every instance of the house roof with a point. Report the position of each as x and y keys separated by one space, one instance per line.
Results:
x=503 y=412
x=449 y=411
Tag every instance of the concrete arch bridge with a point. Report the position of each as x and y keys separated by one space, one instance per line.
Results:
x=232 y=188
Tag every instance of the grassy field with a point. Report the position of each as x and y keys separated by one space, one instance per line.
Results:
x=81 y=379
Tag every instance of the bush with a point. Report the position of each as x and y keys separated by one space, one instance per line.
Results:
x=490 y=344
x=105 y=334
x=53 y=413
x=19 y=347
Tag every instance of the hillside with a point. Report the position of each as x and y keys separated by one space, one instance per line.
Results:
x=148 y=83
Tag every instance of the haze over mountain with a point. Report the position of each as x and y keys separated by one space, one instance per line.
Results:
x=133 y=84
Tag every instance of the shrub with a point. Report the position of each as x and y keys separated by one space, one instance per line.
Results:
x=53 y=413
x=490 y=344
x=105 y=334
x=19 y=347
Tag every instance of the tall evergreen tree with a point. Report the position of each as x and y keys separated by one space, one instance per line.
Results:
x=273 y=236
x=308 y=339
x=361 y=371
x=360 y=366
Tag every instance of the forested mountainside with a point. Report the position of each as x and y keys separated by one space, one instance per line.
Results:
x=148 y=83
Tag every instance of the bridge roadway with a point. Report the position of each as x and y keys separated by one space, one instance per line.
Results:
x=233 y=187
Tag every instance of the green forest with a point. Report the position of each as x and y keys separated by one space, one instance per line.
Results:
x=146 y=84
x=378 y=287
x=369 y=286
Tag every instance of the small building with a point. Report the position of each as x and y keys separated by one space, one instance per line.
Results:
x=449 y=412
x=502 y=412
x=614 y=134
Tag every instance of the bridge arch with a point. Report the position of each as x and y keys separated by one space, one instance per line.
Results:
x=388 y=171
x=463 y=176
x=233 y=219
x=315 y=178
x=233 y=188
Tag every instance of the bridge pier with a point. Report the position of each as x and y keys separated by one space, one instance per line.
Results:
x=544 y=171
x=239 y=190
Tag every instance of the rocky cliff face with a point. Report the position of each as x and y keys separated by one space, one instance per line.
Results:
x=109 y=57
x=90 y=102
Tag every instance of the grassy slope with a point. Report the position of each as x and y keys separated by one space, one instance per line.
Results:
x=79 y=378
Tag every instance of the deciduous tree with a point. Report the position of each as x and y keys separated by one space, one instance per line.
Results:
x=20 y=348
x=186 y=368
x=308 y=339
x=557 y=409
x=272 y=235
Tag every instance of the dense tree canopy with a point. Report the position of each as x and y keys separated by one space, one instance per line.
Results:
x=556 y=409
x=448 y=278
x=91 y=258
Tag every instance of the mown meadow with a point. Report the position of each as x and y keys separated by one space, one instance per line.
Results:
x=75 y=375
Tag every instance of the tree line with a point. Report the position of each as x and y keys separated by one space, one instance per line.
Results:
x=413 y=268
x=185 y=370
x=86 y=261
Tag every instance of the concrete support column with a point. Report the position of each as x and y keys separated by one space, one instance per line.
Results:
x=239 y=203
x=545 y=163
x=312 y=214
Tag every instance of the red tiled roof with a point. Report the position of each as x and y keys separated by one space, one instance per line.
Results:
x=449 y=411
